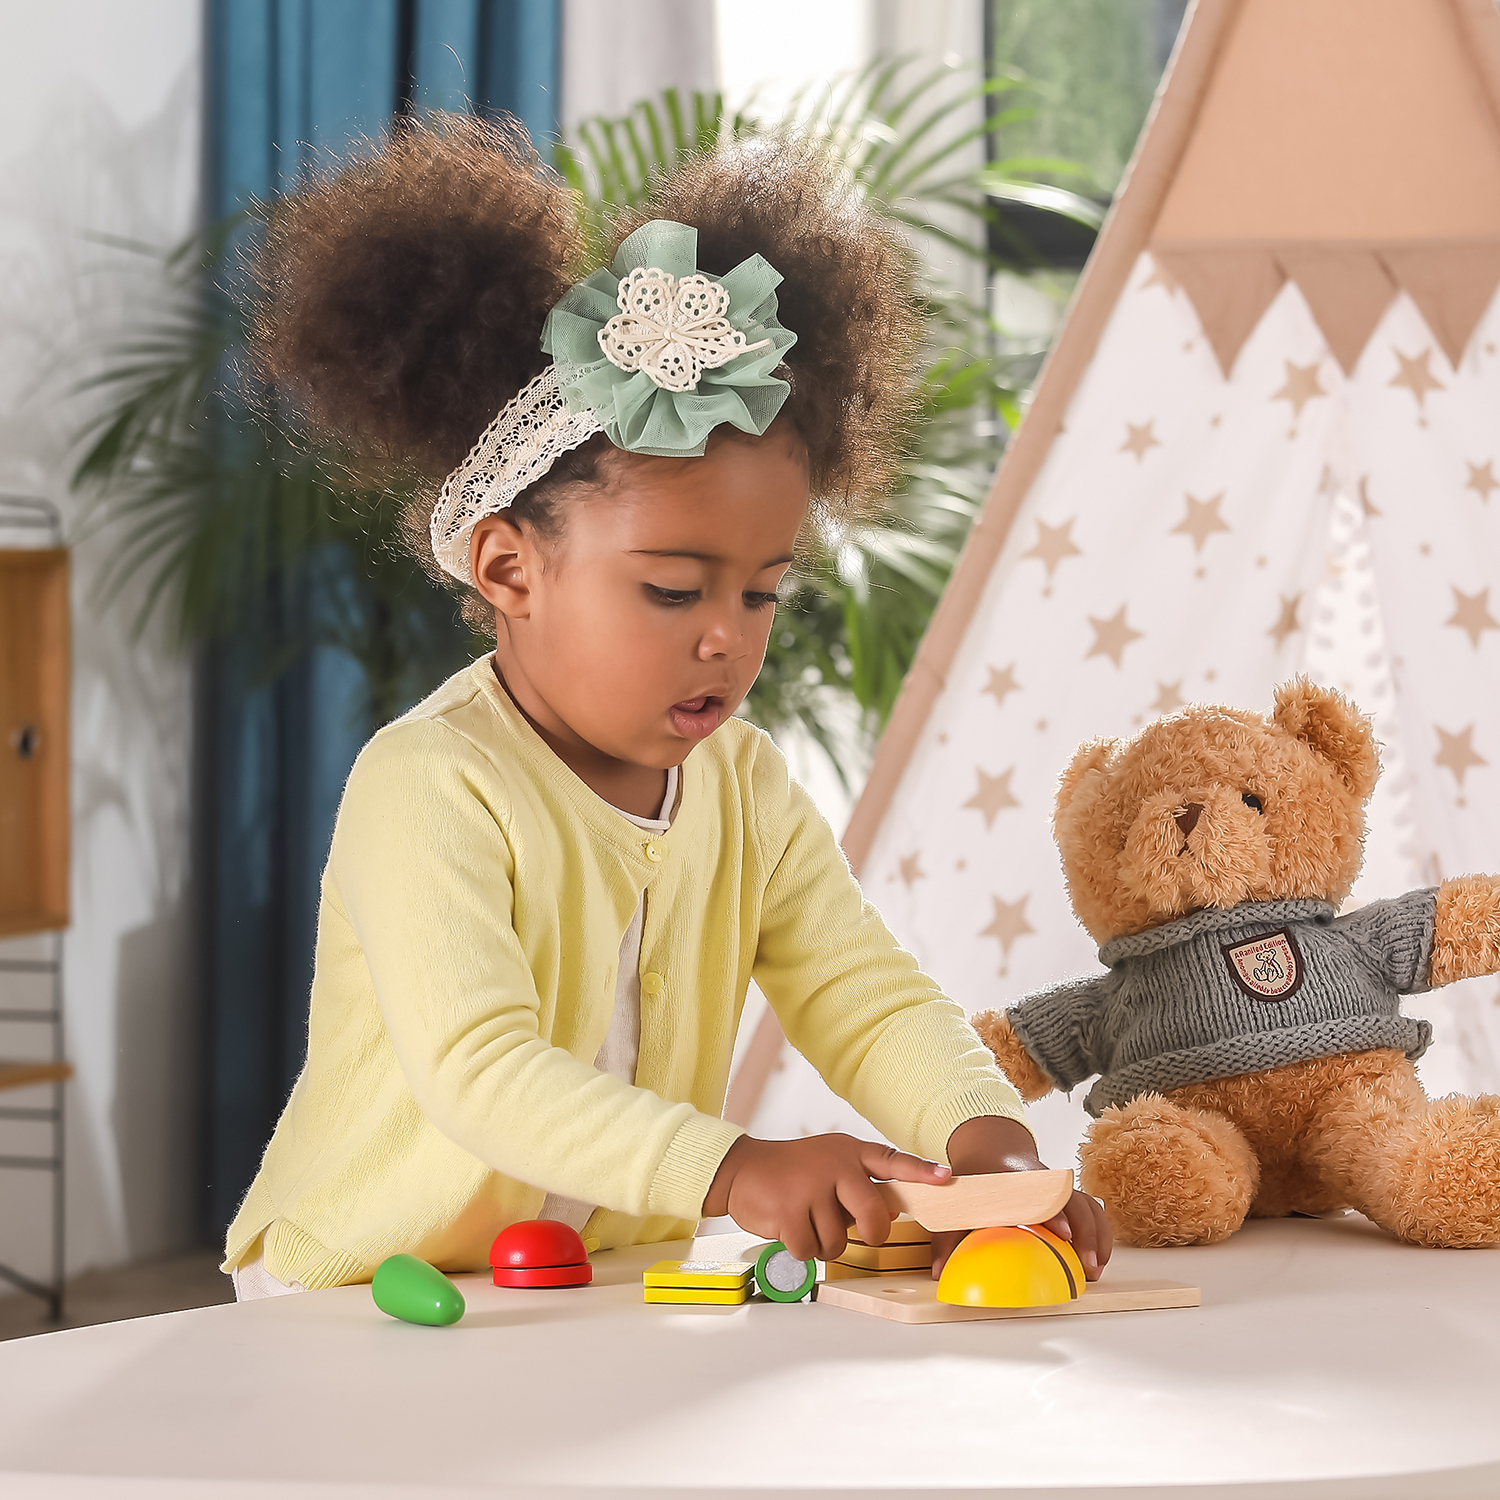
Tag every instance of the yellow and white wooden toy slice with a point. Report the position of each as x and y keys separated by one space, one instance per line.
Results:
x=689 y=1282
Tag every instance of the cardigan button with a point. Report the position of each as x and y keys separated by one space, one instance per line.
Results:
x=655 y=853
x=652 y=983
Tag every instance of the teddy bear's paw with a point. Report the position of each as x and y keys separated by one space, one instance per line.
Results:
x=996 y=1032
x=1168 y=1175
x=1438 y=1183
x=1466 y=935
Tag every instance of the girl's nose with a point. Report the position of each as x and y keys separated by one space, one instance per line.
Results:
x=722 y=638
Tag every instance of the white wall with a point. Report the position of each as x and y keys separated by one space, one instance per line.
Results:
x=616 y=52
x=99 y=135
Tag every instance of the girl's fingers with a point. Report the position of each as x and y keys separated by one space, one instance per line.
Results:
x=1083 y=1222
x=1106 y=1236
x=943 y=1245
x=831 y=1228
x=801 y=1238
x=886 y=1162
x=864 y=1205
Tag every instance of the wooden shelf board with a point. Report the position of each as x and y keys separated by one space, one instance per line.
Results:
x=20 y=1075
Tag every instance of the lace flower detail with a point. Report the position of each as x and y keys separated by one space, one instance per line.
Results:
x=672 y=330
x=661 y=353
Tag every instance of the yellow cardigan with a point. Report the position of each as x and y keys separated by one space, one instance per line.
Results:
x=468 y=936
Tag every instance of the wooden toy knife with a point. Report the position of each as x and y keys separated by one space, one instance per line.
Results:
x=984 y=1201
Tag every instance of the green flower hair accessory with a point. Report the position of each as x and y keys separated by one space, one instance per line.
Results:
x=660 y=354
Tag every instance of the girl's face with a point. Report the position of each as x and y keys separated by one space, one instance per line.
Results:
x=638 y=631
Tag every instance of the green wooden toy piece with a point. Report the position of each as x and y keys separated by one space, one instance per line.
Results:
x=780 y=1276
x=407 y=1288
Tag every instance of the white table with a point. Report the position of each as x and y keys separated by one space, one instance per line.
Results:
x=1326 y=1361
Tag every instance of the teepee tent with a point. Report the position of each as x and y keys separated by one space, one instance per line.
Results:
x=1267 y=440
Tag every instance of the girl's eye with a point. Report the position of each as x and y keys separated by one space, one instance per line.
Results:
x=1251 y=800
x=676 y=598
x=672 y=597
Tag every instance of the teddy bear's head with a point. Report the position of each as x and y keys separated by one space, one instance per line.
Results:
x=1213 y=806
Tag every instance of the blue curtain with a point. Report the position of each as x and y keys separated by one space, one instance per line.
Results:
x=289 y=82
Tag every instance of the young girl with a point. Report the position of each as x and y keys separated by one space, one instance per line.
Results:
x=551 y=883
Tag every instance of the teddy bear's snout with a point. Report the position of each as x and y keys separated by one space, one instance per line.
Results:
x=1187 y=820
x=1194 y=847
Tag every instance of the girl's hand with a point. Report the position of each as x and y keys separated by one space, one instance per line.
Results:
x=806 y=1193
x=991 y=1144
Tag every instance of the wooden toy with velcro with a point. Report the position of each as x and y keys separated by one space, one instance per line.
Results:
x=713 y=1283
x=1008 y=1265
x=775 y=1273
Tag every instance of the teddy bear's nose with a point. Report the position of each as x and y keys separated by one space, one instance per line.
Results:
x=1187 y=819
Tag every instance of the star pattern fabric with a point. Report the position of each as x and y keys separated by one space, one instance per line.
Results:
x=1482 y=479
x=1471 y=614
x=1287 y=623
x=1008 y=923
x=1301 y=387
x=1139 y=440
x=1001 y=684
x=1112 y=636
x=1415 y=375
x=1138 y=623
x=994 y=795
x=1168 y=698
x=1053 y=544
x=1457 y=753
x=1201 y=521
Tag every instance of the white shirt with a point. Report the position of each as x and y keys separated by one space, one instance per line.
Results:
x=622 y=1042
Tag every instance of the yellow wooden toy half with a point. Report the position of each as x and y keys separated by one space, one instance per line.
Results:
x=1020 y=1266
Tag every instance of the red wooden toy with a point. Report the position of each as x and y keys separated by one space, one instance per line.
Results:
x=540 y=1252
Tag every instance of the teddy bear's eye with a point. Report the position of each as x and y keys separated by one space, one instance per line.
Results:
x=1251 y=800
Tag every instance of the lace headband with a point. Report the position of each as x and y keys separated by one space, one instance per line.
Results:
x=650 y=352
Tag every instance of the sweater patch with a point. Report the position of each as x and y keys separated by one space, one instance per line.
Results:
x=1268 y=968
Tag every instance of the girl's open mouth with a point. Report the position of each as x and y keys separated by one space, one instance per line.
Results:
x=694 y=718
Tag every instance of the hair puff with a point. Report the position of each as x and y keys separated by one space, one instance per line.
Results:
x=400 y=300
x=848 y=293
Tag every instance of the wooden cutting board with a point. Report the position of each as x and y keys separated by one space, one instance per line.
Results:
x=913 y=1299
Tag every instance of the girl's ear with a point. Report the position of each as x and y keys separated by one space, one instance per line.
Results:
x=501 y=558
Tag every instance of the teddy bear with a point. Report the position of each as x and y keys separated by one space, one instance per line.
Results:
x=1251 y=1054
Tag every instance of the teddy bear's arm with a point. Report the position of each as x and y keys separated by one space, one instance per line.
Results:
x=996 y=1032
x=1047 y=1036
x=1466 y=930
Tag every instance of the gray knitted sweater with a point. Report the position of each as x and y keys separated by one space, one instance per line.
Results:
x=1233 y=991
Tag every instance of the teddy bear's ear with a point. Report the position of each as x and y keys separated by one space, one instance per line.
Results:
x=1093 y=755
x=1331 y=725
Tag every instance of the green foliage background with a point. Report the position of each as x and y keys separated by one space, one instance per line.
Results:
x=1095 y=64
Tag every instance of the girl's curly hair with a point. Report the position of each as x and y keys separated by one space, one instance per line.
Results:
x=398 y=302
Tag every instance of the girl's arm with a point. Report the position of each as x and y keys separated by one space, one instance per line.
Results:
x=423 y=873
x=849 y=998
x=880 y=1032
